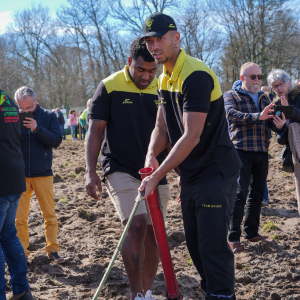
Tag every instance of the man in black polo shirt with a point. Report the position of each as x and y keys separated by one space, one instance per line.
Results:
x=124 y=108
x=191 y=116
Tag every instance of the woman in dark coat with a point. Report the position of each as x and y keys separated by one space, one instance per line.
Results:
x=280 y=82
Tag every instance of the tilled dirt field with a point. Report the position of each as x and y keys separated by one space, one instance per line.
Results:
x=89 y=231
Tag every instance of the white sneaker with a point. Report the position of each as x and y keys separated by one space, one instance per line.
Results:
x=139 y=297
x=148 y=296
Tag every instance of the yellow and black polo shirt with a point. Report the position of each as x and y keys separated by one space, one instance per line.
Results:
x=193 y=87
x=130 y=114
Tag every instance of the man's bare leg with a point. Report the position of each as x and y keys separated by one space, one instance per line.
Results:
x=151 y=259
x=133 y=253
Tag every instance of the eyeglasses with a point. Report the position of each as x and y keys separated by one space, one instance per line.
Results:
x=275 y=87
x=27 y=108
x=253 y=76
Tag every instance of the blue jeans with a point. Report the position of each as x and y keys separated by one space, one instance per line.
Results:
x=73 y=131
x=266 y=195
x=84 y=132
x=62 y=128
x=11 y=248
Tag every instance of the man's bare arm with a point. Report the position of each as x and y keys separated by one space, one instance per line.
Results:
x=93 y=147
x=193 y=126
x=158 y=142
x=168 y=150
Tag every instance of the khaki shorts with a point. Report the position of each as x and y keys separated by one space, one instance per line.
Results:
x=123 y=189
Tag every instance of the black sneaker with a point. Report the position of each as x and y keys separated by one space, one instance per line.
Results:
x=265 y=202
x=55 y=257
x=23 y=296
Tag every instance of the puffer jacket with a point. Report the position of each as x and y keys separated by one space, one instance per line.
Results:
x=293 y=99
x=37 y=146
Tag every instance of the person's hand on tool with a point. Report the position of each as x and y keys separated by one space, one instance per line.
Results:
x=91 y=181
x=149 y=184
x=151 y=162
x=179 y=185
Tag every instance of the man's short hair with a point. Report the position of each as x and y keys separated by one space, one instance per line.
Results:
x=23 y=92
x=246 y=66
x=140 y=49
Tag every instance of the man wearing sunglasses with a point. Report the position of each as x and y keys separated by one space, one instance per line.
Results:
x=247 y=112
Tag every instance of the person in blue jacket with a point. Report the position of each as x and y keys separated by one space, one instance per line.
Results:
x=42 y=133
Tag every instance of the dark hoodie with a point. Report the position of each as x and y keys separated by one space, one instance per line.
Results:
x=12 y=175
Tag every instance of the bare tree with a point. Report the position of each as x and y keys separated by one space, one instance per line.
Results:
x=133 y=14
x=200 y=36
x=261 y=31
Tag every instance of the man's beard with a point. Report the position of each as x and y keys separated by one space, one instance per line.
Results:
x=254 y=89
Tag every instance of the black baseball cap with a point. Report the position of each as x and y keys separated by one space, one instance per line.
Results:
x=158 y=24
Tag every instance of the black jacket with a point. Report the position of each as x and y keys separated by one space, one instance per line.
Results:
x=60 y=117
x=37 y=146
x=293 y=99
x=12 y=179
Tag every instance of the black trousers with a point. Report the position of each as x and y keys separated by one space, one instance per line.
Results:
x=255 y=164
x=207 y=210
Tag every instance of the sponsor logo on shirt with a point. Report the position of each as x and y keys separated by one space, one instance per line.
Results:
x=211 y=206
x=162 y=101
x=3 y=98
x=127 y=101
x=10 y=113
x=156 y=103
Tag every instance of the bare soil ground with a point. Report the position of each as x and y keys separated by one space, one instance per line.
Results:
x=89 y=231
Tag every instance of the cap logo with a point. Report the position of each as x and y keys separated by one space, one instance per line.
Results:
x=172 y=26
x=149 y=24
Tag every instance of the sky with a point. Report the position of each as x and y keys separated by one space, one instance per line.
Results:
x=8 y=7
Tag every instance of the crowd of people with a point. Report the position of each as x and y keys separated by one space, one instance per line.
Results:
x=217 y=144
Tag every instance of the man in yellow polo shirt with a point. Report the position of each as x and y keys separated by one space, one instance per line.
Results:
x=192 y=117
x=124 y=109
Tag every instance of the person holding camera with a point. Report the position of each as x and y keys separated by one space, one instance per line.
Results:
x=280 y=82
x=249 y=121
x=42 y=133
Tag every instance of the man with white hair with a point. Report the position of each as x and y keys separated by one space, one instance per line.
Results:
x=247 y=111
x=42 y=133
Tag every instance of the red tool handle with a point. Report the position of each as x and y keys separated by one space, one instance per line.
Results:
x=156 y=215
